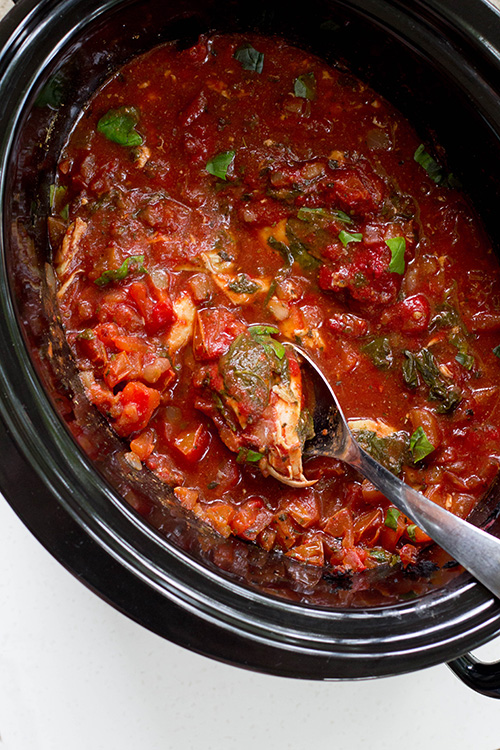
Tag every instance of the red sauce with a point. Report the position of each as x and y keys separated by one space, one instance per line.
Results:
x=254 y=184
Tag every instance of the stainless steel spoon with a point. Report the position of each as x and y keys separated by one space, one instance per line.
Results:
x=474 y=549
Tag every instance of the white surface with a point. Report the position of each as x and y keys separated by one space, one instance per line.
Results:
x=77 y=675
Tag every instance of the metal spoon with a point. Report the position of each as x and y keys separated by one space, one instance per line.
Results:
x=474 y=549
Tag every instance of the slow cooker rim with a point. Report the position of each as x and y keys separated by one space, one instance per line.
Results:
x=482 y=602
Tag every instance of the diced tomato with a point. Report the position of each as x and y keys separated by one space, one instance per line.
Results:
x=193 y=442
x=340 y=525
x=348 y=324
x=357 y=191
x=419 y=536
x=355 y=559
x=305 y=510
x=187 y=496
x=219 y=516
x=91 y=347
x=309 y=551
x=367 y=527
x=408 y=554
x=286 y=532
x=390 y=537
x=113 y=338
x=138 y=402
x=215 y=330
x=121 y=367
x=143 y=445
x=371 y=494
x=154 y=304
x=251 y=519
x=267 y=538
x=411 y=315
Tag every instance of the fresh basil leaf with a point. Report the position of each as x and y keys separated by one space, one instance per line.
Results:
x=278 y=347
x=263 y=330
x=431 y=166
x=342 y=216
x=121 y=273
x=496 y=351
x=420 y=446
x=391 y=451
x=247 y=455
x=397 y=246
x=434 y=169
x=466 y=360
x=410 y=530
x=250 y=58
x=262 y=334
x=346 y=237
x=118 y=125
x=243 y=284
x=305 y=86
x=306 y=214
x=439 y=389
x=380 y=352
x=410 y=370
x=219 y=165
x=379 y=554
x=391 y=518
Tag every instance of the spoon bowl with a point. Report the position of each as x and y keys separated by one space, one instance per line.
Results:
x=475 y=549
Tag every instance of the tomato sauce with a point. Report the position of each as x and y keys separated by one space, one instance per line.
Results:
x=212 y=203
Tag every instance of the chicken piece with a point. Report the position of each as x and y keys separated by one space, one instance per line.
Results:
x=182 y=329
x=254 y=396
x=238 y=287
x=67 y=251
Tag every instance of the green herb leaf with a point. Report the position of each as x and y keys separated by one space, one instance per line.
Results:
x=250 y=58
x=391 y=451
x=263 y=330
x=379 y=554
x=132 y=263
x=410 y=370
x=397 y=246
x=219 y=165
x=466 y=360
x=306 y=214
x=118 y=125
x=243 y=284
x=342 y=216
x=346 y=237
x=247 y=455
x=305 y=86
x=434 y=169
x=410 y=530
x=380 y=352
x=262 y=334
x=420 y=446
x=496 y=351
x=439 y=389
x=391 y=518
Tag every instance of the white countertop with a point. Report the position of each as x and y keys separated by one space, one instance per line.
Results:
x=77 y=675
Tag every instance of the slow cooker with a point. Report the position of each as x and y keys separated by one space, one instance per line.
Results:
x=440 y=65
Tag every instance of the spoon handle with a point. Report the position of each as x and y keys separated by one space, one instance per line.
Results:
x=476 y=550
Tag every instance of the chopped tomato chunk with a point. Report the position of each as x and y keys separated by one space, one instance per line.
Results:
x=138 y=402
